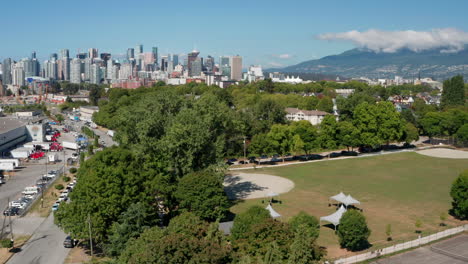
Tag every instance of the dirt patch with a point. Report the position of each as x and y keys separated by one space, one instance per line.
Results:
x=251 y=186
x=445 y=153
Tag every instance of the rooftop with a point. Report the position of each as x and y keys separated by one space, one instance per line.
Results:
x=306 y=112
x=9 y=123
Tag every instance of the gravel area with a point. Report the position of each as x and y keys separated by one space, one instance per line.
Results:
x=251 y=186
x=445 y=153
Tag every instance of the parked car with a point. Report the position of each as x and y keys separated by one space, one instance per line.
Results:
x=11 y=211
x=69 y=242
x=30 y=190
x=17 y=204
x=55 y=206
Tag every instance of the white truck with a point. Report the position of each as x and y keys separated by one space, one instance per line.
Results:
x=70 y=145
x=4 y=166
x=53 y=157
x=15 y=162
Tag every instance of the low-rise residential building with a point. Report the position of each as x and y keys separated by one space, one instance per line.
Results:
x=315 y=117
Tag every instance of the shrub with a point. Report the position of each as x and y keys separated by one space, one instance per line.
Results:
x=66 y=179
x=6 y=243
x=59 y=187
x=73 y=170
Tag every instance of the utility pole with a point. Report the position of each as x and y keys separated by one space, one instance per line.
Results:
x=90 y=238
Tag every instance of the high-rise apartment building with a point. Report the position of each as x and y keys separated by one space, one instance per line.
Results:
x=75 y=71
x=236 y=68
x=196 y=67
x=18 y=76
x=6 y=71
x=95 y=74
x=66 y=68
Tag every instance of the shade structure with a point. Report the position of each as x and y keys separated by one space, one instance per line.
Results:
x=272 y=194
x=350 y=200
x=335 y=217
x=339 y=197
x=272 y=211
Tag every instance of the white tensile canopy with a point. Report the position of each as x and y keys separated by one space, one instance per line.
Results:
x=335 y=217
x=339 y=197
x=272 y=211
x=272 y=194
x=350 y=200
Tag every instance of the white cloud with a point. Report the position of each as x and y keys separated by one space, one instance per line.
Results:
x=451 y=39
x=283 y=56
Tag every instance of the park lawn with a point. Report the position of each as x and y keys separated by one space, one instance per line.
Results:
x=394 y=189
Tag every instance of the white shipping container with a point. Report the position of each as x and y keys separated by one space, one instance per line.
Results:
x=70 y=145
x=20 y=153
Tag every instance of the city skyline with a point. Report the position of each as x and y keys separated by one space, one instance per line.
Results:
x=270 y=34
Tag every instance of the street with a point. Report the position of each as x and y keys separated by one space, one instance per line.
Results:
x=44 y=247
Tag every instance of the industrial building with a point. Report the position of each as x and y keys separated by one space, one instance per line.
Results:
x=14 y=132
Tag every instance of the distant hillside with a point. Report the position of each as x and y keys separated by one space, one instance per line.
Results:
x=405 y=63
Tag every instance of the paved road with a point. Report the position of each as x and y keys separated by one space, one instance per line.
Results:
x=44 y=247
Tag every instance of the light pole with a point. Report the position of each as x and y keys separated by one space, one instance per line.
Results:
x=245 y=151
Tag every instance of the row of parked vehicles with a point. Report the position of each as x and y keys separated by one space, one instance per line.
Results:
x=264 y=159
x=28 y=195
x=63 y=197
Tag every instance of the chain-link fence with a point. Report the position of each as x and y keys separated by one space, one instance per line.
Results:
x=453 y=141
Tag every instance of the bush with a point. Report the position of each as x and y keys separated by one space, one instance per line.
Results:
x=73 y=170
x=59 y=187
x=6 y=243
x=353 y=231
x=66 y=179
x=459 y=193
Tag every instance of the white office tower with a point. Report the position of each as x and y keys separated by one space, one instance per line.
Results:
x=50 y=69
x=75 y=71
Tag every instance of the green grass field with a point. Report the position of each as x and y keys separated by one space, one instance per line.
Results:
x=394 y=189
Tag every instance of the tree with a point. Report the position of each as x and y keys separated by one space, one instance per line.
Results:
x=243 y=222
x=304 y=250
x=410 y=133
x=443 y=218
x=110 y=182
x=462 y=133
x=259 y=144
x=390 y=126
x=96 y=141
x=347 y=135
x=418 y=225
x=388 y=232
x=202 y=193
x=430 y=124
x=453 y=93
x=353 y=231
x=304 y=223
x=325 y=104
x=307 y=133
x=280 y=138
x=186 y=240
x=459 y=193
x=59 y=118
x=327 y=132
x=131 y=223
x=366 y=122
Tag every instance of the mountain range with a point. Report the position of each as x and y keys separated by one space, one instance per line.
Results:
x=436 y=63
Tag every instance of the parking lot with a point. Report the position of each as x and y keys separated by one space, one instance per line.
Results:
x=30 y=173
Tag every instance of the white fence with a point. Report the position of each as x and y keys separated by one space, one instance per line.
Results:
x=399 y=247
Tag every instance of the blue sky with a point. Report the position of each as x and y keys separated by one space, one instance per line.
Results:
x=258 y=30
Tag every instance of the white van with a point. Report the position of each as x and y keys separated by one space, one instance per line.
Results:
x=30 y=190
